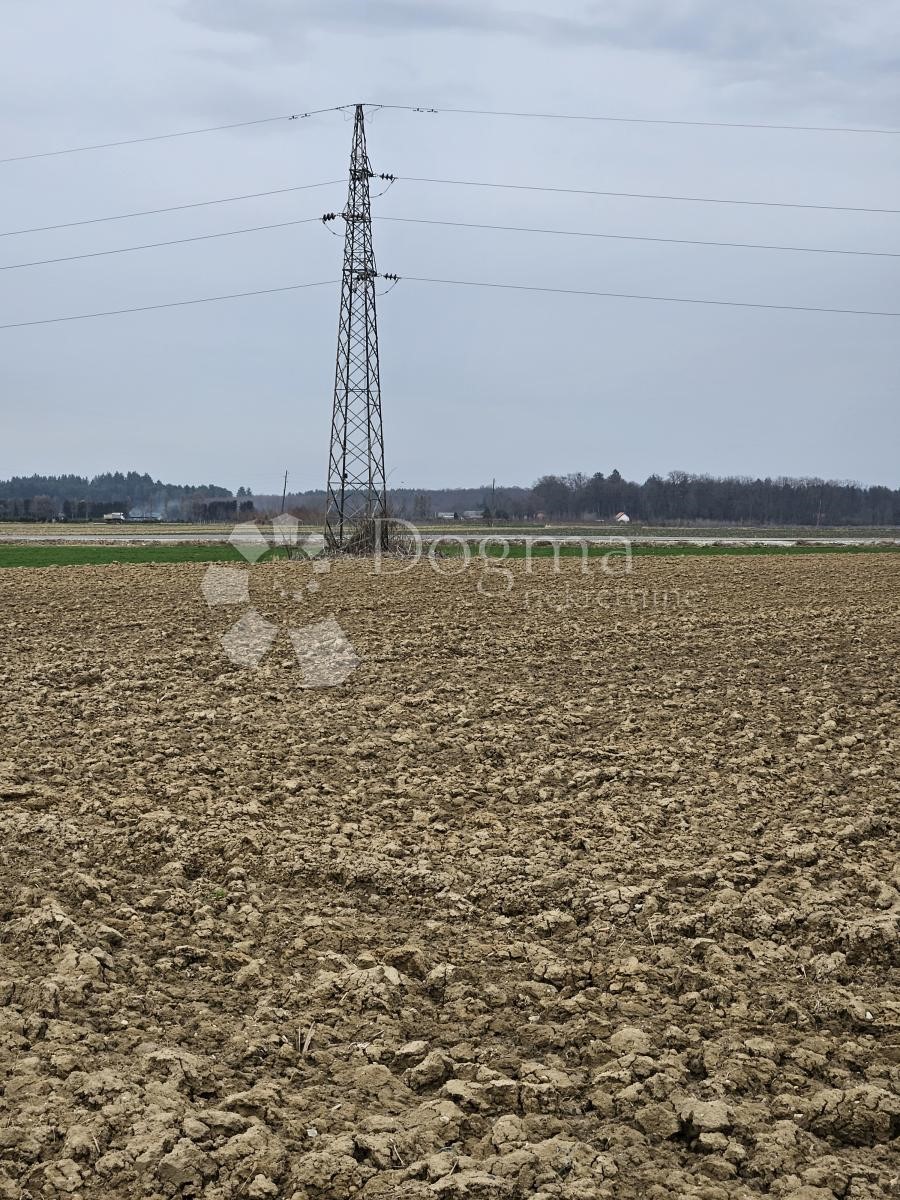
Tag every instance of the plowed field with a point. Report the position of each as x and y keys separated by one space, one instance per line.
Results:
x=585 y=889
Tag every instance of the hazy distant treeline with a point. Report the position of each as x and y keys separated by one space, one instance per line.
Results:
x=45 y=497
x=732 y=499
x=677 y=497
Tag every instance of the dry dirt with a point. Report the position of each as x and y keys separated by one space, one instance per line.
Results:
x=557 y=896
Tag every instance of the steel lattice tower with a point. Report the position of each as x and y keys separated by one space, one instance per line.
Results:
x=356 y=492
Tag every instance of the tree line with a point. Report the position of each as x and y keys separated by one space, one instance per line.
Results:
x=77 y=497
x=679 y=497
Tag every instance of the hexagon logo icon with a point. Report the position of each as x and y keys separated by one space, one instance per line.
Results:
x=325 y=655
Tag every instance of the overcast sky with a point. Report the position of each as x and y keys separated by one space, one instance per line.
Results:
x=476 y=383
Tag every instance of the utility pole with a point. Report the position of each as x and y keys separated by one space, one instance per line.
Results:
x=356 y=491
x=284 y=492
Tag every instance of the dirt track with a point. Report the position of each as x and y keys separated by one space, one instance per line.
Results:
x=556 y=896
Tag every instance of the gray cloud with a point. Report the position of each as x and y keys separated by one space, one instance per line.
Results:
x=276 y=19
x=834 y=36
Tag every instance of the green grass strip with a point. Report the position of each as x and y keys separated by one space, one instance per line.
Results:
x=515 y=552
x=84 y=556
x=70 y=556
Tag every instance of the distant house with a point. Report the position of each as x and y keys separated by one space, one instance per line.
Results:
x=623 y=518
x=446 y=516
x=473 y=514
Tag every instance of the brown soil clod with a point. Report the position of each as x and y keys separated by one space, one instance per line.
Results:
x=586 y=888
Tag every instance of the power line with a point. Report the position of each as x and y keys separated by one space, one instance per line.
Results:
x=161 y=137
x=116 y=312
x=201 y=237
x=626 y=237
x=205 y=237
x=517 y=287
x=522 y=287
x=152 y=212
x=478 y=112
x=543 y=116
x=531 y=187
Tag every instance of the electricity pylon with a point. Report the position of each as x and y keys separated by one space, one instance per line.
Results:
x=356 y=492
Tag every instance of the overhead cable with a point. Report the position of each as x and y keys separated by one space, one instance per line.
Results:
x=630 y=237
x=555 y=116
x=200 y=237
x=153 y=212
x=522 y=287
x=570 y=191
x=162 y=137
x=116 y=312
